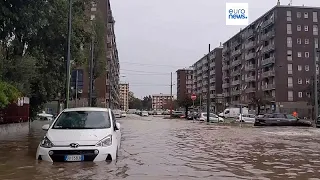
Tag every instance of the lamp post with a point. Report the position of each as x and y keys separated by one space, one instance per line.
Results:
x=69 y=55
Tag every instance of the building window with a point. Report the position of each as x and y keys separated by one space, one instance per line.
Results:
x=300 y=94
x=298 y=14
x=316 y=43
x=299 y=81
x=298 y=40
x=306 y=41
x=308 y=94
x=299 y=54
x=290 y=95
x=306 y=54
x=299 y=68
x=314 y=17
x=315 y=30
x=289 y=29
x=307 y=81
x=298 y=27
x=290 y=82
x=289 y=68
x=288 y=15
x=289 y=41
x=306 y=28
x=305 y=15
x=306 y=67
x=289 y=55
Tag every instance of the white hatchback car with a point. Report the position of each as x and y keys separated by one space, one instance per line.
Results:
x=81 y=134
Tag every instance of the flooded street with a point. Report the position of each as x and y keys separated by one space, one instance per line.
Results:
x=157 y=149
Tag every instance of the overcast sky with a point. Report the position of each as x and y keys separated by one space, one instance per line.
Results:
x=172 y=34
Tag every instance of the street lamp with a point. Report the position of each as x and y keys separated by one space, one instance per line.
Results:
x=69 y=55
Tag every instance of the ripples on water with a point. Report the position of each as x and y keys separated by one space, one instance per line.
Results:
x=154 y=148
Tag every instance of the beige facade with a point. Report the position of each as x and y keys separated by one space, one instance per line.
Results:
x=124 y=96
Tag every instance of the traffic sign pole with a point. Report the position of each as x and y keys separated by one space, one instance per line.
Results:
x=193 y=98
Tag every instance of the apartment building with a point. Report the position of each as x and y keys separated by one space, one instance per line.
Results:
x=273 y=59
x=108 y=81
x=161 y=101
x=124 y=96
x=200 y=78
x=184 y=83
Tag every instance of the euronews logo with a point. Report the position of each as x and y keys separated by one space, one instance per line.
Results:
x=237 y=14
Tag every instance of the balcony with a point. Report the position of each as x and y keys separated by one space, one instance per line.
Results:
x=251 y=78
x=268 y=74
x=268 y=35
x=268 y=48
x=212 y=64
x=212 y=96
x=234 y=53
x=226 y=94
x=250 y=56
x=225 y=85
x=235 y=73
x=249 y=33
x=225 y=49
x=212 y=72
x=250 y=67
x=235 y=92
x=250 y=90
x=268 y=87
x=235 y=63
x=267 y=61
x=249 y=44
x=234 y=83
x=267 y=23
x=225 y=67
x=212 y=80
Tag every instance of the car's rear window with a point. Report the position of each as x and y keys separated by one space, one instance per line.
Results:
x=83 y=120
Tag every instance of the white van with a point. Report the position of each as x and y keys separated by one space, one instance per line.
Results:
x=233 y=112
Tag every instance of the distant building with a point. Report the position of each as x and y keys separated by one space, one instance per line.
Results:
x=124 y=96
x=184 y=83
x=161 y=101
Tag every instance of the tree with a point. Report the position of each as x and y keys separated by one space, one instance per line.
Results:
x=8 y=94
x=134 y=103
x=187 y=102
x=147 y=103
x=34 y=45
x=259 y=100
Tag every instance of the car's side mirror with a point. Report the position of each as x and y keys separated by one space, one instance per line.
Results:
x=117 y=126
x=46 y=127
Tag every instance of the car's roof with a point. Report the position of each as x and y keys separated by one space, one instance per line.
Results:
x=86 y=109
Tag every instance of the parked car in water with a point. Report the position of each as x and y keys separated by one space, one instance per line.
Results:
x=247 y=118
x=177 y=114
x=123 y=114
x=280 y=119
x=117 y=113
x=212 y=117
x=81 y=134
x=144 y=113
x=192 y=116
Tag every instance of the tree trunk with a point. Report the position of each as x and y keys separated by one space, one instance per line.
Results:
x=186 y=111
x=259 y=109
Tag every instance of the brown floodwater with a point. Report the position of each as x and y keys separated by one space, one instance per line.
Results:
x=154 y=148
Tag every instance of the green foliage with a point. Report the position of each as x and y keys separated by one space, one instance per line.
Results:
x=34 y=45
x=134 y=103
x=8 y=94
x=187 y=102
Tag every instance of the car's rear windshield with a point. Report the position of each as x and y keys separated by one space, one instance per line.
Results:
x=83 y=120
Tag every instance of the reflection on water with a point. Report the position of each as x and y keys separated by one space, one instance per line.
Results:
x=154 y=148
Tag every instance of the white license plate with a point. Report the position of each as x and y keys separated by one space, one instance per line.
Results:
x=74 y=158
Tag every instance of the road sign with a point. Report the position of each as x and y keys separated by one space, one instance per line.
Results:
x=193 y=97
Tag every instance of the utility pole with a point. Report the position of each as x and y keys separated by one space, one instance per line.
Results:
x=69 y=56
x=171 y=97
x=77 y=75
x=91 y=72
x=208 y=87
x=110 y=88
x=315 y=84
